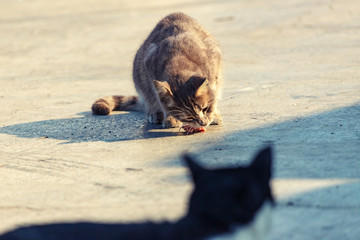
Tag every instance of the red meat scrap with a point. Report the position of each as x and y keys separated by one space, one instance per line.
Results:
x=191 y=130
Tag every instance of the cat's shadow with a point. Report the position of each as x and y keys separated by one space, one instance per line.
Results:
x=121 y=126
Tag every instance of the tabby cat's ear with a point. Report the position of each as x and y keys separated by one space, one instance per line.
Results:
x=195 y=169
x=200 y=85
x=163 y=88
x=262 y=163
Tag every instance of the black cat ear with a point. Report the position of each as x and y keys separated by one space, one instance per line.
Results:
x=262 y=163
x=195 y=169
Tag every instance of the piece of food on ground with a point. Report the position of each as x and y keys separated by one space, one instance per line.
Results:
x=191 y=130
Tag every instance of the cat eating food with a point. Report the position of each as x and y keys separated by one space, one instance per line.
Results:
x=178 y=75
x=226 y=203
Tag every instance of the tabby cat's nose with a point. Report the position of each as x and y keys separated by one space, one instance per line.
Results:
x=202 y=123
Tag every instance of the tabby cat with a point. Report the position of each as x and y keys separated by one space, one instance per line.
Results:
x=226 y=203
x=177 y=73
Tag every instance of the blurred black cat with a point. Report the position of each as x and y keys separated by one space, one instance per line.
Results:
x=226 y=203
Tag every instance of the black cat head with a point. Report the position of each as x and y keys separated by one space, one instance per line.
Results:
x=230 y=196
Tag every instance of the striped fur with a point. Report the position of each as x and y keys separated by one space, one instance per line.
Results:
x=104 y=106
x=177 y=73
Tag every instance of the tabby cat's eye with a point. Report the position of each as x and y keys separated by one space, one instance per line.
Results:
x=205 y=109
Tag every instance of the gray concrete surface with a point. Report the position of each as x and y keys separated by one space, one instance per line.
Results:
x=292 y=72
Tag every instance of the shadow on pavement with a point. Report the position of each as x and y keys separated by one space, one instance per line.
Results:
x=328 y=141
x=326 y=213
x=111 y=128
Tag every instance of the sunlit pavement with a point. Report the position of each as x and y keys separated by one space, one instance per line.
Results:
x=292 y=80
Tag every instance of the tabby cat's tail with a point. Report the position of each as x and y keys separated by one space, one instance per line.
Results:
x=104 y=106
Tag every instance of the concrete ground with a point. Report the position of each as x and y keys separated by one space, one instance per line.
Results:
x=292 y=77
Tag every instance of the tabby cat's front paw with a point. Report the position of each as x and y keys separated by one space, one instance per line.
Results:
x=217 y=120
x=171 y=122
x=156 y=118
